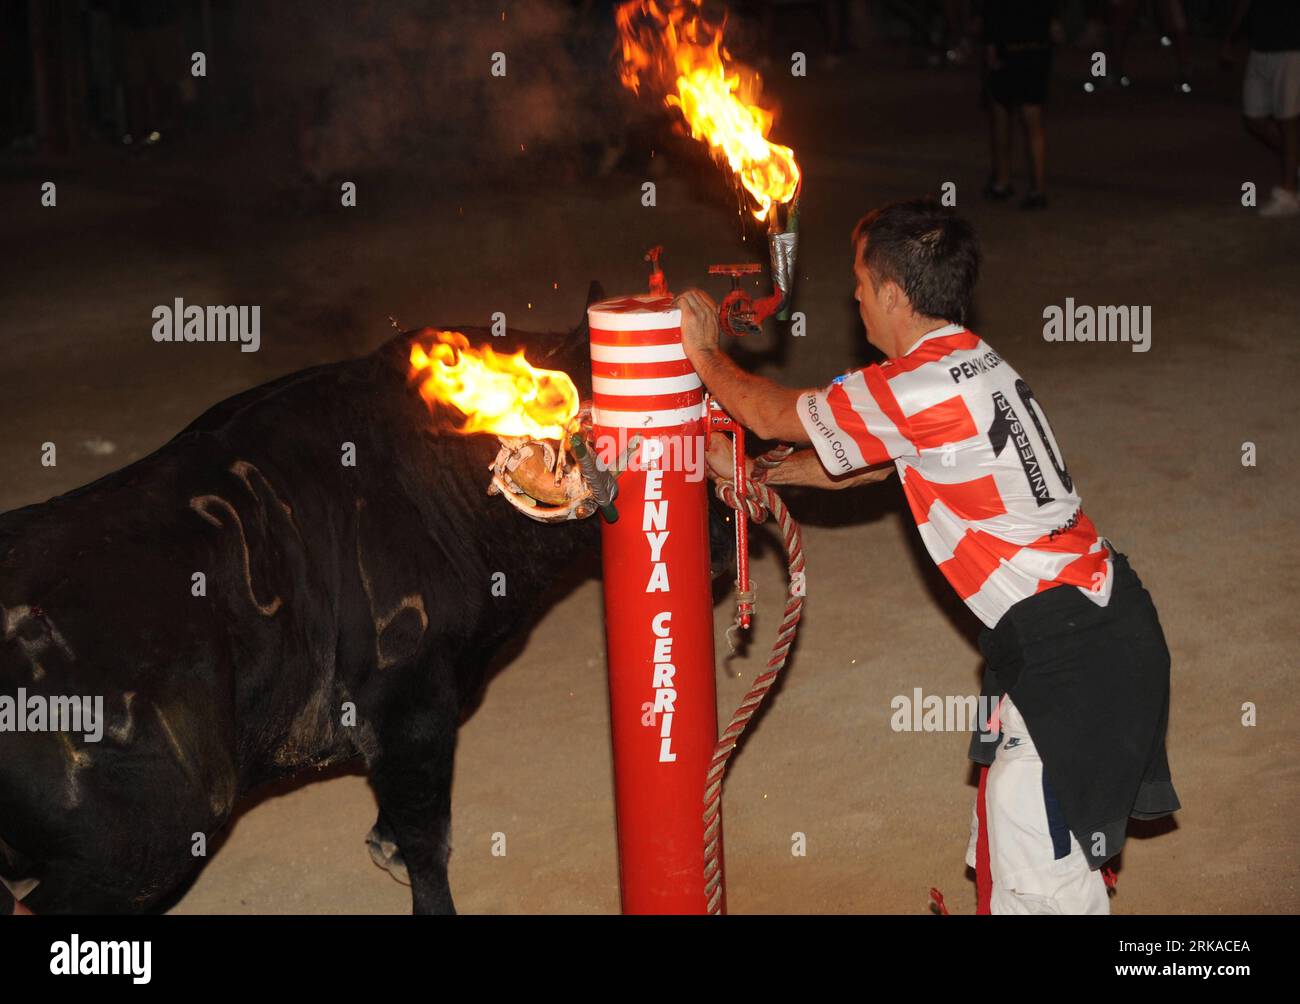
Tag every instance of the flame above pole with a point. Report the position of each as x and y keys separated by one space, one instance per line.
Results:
x=672 y=48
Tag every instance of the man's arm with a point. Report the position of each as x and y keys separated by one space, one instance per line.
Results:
x=804 y=467
x=763 y=406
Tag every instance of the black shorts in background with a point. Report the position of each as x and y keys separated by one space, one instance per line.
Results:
x=1021 y=78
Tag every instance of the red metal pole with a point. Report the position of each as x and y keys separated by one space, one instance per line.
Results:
x=658 y=599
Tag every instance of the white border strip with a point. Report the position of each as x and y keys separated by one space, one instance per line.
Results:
x=639 y=320
x=648 y=385
x=647 y=419
x=637 y=353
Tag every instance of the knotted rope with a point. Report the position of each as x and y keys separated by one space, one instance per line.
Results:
x=756 y=502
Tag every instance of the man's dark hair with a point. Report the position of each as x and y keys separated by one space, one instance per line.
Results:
x=928 y=250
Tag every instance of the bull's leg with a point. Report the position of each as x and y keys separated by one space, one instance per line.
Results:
x=412 y=778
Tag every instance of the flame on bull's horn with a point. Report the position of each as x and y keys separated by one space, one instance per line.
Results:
x=671 y=47
x=501 y=394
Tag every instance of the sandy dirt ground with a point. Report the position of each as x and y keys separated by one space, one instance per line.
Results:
x=1145 y=210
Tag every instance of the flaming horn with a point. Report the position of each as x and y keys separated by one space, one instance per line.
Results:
x=535 y=415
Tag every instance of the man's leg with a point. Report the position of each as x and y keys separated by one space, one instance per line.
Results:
x=1174 y=21
x=1037 y=865
x=1000 y=144
x=1286 y=110
x=1289 y=130
x=1284 y=101
x=1122 y=15
x=1265 y=130
x=1036 y=149
x=1036 y=142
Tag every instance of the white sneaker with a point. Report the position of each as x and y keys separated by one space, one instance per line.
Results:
x=1283 y=203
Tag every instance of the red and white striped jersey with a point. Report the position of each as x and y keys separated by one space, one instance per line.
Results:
x=989 y=490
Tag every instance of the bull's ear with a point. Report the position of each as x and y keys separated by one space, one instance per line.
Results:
x=582 y=333
x=576 y=340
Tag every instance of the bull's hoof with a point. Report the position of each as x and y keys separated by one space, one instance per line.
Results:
x=387 y=855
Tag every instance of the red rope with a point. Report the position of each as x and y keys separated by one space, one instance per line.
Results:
x=757 y=502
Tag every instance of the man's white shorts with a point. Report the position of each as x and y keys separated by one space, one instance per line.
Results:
x=1272 y=85
x=1027 y=875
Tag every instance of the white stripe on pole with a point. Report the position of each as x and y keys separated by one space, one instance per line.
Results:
x=646 y=419
x=648 y=385
x=637 y=353
x=641 y=320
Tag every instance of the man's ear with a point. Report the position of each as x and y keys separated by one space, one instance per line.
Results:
x=893 y=296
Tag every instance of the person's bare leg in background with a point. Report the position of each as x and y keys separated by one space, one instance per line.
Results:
x=1282 y=136
x=1036 y=143
x=1266 y=131
x=1290 y=132
x=1122 y=14
x=1000 y=144
x=1174 y=21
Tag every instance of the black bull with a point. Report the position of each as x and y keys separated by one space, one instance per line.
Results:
x=328 y=587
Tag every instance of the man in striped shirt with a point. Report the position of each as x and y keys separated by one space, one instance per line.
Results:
x=1070 y=636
